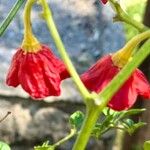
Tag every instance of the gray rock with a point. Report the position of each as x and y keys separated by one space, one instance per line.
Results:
x=22 y=125
x=47 y=122
x=14 y=127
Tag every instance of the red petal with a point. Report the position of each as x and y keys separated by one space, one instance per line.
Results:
x=141 y=84
x=100 y=74
x=52 y=77
x=38 y=76
x=125 y=97
x=58 y=63
x=12 y=76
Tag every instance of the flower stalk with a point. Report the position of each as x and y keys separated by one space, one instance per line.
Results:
x=124 y=55
x=30 y=43
x=72 y=133
x=124 y=17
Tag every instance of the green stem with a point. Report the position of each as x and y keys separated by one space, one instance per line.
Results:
x=10 y=16
x=136 y=40
x=91 y=118
x=73 y=132
x=123 y=16
x=30 y=42
x=121 y=57
x=47 y=15
x=27 y=16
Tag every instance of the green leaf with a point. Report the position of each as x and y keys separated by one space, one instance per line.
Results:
x=96 y=132
x=147 y=145
x=115 y=119
x=135 y=126
x=4 y=146
x=76 y=119
x=103 y=126
x=10 y=16
x=127 y=113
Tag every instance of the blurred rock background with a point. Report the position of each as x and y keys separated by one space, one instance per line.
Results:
x=88 y=32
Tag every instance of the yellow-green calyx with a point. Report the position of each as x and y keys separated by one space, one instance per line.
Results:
x=121 y=57
x=30 y=43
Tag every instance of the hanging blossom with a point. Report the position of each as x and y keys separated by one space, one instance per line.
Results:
x=38 y=72
x=105 y=69
x=34 y=66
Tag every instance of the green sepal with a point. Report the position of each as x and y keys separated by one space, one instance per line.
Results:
x=131 y=127
x=130 y=112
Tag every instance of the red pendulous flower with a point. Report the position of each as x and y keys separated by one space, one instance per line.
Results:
x=104 y=1
x=39 y=73
x=34 y=66
x=101 y=73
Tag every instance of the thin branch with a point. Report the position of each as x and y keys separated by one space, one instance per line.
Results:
x=2 y=119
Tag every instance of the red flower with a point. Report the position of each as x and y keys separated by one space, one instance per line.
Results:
x=39 y=73
x=104 y=1
x=101 y=73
